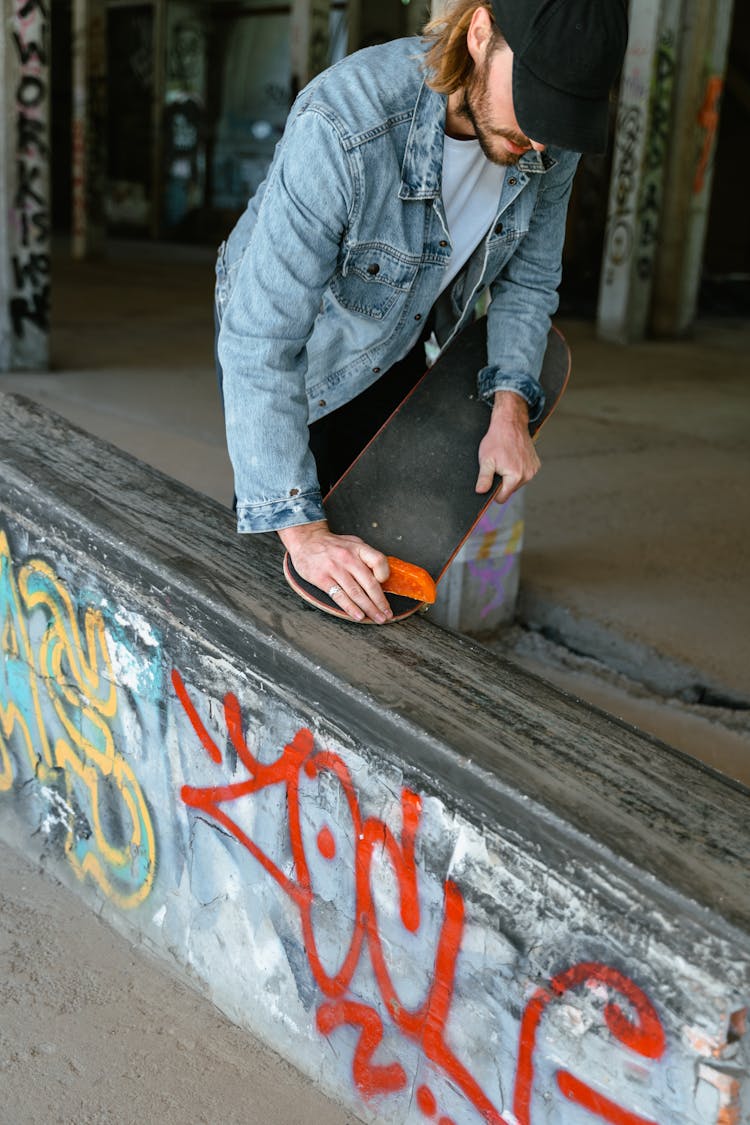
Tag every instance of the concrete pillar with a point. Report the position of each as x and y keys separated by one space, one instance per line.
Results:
x=24 y=186
x=479 y=592
x=89 y=150
x=661 y=175
x=310 y=38
x=699 y=85
x=642 y=135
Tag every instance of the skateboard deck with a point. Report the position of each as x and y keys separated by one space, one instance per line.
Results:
x=410 y=492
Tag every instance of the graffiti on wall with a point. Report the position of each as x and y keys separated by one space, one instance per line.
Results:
x=370 y=848
x=497 y=542
x=30 y=263
x=58 y=724
x=655 y=155
x=391 y=980
x=620 y=233
x=708 y=121
x=641 y=137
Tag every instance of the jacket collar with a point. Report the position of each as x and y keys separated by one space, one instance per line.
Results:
x=422 y=167
x=536 y=162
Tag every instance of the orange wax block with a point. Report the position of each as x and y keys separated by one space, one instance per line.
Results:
x=410 y=581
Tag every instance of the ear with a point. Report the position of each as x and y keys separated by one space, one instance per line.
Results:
x=479 y=34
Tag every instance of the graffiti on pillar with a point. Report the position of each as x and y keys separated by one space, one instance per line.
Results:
x=641 y=140
x=59 y=727
x=621 y=224
x=497 y=542
x=708 y=120
x=380 y=865
x=656 y=151
x=28 y=302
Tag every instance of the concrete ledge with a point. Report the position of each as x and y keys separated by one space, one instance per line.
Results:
x=438 y=886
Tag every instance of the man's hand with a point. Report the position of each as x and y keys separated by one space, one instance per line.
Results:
x=343 y=566
x=507 y=448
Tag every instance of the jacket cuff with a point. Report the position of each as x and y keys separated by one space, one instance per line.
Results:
x=275 y=515
x=491 y=379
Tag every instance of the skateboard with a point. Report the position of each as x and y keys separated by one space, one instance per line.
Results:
x=410 y=492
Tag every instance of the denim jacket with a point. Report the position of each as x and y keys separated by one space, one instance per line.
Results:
x=327 y=277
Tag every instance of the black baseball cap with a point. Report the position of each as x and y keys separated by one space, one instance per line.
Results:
x=566 y=57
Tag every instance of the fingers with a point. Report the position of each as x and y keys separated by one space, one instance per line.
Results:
x=346 y=569
x=376 y=561
x=506 y=452
x=486 y=475
x=509 y=482
x=507 y=488
x=360 y=594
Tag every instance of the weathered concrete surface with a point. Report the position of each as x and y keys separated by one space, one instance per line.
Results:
x=439 y=887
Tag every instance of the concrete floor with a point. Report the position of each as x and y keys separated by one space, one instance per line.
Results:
x=96 y=1032
x=634 y=574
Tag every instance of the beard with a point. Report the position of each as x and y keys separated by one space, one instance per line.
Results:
x=476 y=107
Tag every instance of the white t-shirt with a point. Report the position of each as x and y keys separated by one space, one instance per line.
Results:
x=471 y=193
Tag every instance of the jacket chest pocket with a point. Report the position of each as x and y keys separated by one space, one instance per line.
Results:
x=371 y=280
x=501 y=250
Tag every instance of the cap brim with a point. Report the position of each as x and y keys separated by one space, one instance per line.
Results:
x=552 y=117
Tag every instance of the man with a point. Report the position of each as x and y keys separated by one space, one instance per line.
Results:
x=411 y=176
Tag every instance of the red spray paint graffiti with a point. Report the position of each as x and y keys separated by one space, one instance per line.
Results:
x=645 y=1038
x=426 y=1024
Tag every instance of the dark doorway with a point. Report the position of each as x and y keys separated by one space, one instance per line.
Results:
x=726 y=263
x=130 y=84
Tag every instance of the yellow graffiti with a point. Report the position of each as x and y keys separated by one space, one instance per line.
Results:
x=514 y=541
x=74 y=670
x=10 y=719
x=489 y=538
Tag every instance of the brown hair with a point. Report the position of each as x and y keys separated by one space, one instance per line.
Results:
x=447 y=60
